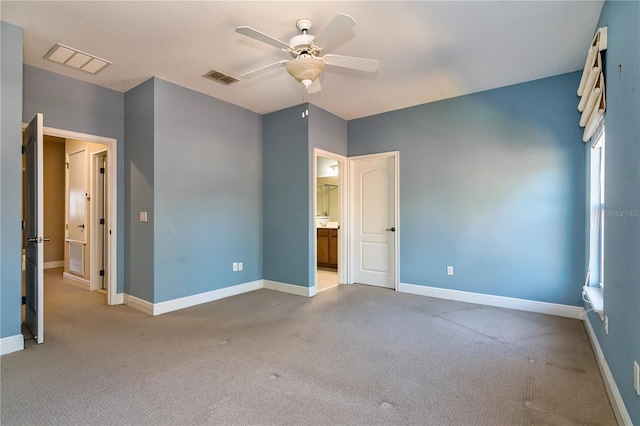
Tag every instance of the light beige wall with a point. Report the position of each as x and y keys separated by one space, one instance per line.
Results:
x=72 y=146
x=53 y=177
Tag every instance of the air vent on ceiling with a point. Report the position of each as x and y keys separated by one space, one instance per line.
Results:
x=220 y=77
x=74 y=58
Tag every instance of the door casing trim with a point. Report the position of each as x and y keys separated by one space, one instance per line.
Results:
x=343 y=194
x=113 y=297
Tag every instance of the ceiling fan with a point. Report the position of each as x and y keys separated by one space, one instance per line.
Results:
x=308 y=63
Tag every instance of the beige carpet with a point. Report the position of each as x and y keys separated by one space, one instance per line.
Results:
x=351 y=355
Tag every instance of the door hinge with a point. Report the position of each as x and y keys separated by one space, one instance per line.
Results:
x=24 y=149
x=66 y=164
x=24 y=300
x=22 y=225
x=102 y=272
x=101 y=221
x=101 y=170
x=66 y=226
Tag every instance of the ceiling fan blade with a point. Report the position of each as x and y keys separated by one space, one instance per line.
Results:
x=265 y=38
x=262 y=70
x=314 y=87
x=360 y=64
x=334 y=31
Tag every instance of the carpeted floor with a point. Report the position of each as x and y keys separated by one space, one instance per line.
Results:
x=351 y=355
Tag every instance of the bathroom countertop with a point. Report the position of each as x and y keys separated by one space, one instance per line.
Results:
x=327 y=225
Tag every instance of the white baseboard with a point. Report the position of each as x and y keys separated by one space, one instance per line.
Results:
x=139 y=304
x=619 y=409
x=79 y=281
x=298 y=290
x=575 y=312
x=118 y=299
x=11 y=344
x=209 y=296
x=53 y=264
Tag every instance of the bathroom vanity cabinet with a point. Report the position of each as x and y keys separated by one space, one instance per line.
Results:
x=327 y=250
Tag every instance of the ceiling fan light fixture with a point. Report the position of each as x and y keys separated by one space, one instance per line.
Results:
x=305 y=68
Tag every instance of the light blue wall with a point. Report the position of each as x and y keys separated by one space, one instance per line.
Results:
x=492 y=184
x=139 y=178
x=329 y=133
x=10 y=178
x=207 y=193
x=286 y=197
x=74 y=105
x=622 y=194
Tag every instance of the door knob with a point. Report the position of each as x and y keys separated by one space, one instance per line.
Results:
x=392 y=229
x=81 y=226
x=37 y=239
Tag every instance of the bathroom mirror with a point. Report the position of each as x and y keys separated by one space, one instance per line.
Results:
x=327 y=206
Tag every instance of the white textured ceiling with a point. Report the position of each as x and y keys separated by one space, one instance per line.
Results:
x=427 y=50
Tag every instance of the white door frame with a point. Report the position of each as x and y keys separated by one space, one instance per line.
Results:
x=343 y=263
x=95 y=220
x=396 y=235
x=113 y=297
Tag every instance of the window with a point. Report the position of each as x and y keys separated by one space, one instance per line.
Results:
x=594 y=284
x=596 y=252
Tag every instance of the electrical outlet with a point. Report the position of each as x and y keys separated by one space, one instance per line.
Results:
x=143 y=216
x=240 y=266
x=636 y=377
x=235 y=266
x=449 y=270
x=606 y=324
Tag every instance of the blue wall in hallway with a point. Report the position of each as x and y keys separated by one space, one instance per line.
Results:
x=493 y=184
x=11 y=176
x=622 y=194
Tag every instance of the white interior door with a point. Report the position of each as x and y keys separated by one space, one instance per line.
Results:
x=374 y=217
x=77 y=198
x=34 y=226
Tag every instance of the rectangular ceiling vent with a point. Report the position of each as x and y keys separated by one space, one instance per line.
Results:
x=74 y=58
x=220 y=77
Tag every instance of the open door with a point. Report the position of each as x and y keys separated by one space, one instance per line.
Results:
x=34 y=226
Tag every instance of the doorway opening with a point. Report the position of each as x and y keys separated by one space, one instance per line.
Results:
x=329 y=218
x=78 y=215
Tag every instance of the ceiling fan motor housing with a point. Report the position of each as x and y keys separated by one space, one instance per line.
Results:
x=302 y=43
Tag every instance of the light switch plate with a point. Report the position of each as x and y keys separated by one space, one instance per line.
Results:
x=449 y=270
x=240 y=266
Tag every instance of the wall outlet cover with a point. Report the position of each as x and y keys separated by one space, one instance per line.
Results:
x=449 y=270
